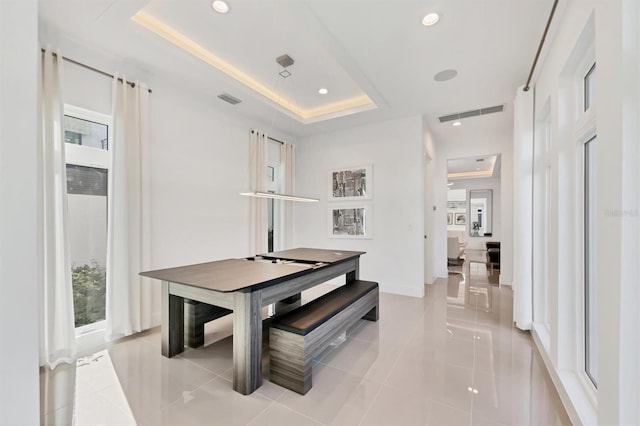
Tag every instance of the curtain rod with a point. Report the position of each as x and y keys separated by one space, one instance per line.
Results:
x=544 y=36
x=275 y=140
x=270 y=138
x=106 y=74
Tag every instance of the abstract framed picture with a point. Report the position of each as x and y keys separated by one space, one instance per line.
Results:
x=350 y=222
x=449 y=218
x=351 y=183
x=461 y=218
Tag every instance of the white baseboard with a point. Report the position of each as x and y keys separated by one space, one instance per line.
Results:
x=403 y=290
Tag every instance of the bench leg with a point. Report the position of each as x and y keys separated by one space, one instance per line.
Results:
x=292 y=299
x=196 y=314
x=193 y=326
x=372 y=315
x=289 y=364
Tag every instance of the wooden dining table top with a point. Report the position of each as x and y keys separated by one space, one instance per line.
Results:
x=231 y=275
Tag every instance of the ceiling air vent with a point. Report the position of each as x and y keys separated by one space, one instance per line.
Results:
x=228 y=98
x=473 y=113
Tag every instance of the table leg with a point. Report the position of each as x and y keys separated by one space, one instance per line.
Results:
x=247 y=342
x=172 y=328
x=355 y=274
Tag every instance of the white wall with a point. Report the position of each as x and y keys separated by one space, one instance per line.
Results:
x=199 y=165
x=470 y=146
x=19 y=238
x=430 y=254
x=395 y=253
x=439 y=215
x=86 y=89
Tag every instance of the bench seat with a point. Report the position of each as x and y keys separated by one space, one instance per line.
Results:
x=298 y=336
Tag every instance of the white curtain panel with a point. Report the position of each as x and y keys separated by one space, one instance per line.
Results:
x=258 y=206
x=128 y=294
x=57 y=334
x=287 y=161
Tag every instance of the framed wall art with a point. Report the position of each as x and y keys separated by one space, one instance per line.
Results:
x=350 y=222
x=461 y=218
x=351 y=183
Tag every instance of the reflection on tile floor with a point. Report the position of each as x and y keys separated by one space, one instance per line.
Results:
x=452 y=358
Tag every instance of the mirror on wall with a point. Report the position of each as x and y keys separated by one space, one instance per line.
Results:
x=480 y=212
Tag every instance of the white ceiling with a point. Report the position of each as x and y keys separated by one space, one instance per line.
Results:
x=373 y=48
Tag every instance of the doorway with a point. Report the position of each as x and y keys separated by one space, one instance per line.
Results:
x=474 y=210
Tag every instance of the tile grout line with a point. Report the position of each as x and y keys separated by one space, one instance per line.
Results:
x=262 y=411
x=275 y=401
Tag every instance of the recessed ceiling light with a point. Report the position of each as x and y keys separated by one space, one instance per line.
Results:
x=457 y=123
x=430 y=19
x=323 y=91
x=220 y=6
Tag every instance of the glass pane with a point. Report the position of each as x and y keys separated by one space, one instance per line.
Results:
x=590 y=259
x=86 y=133
x=87 y=205
x=590 y=88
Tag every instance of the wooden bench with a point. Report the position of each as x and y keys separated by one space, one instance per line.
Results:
x=298 y=336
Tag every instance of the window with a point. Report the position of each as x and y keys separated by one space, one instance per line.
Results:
x=78 y=131
x=586 y=132
x=590 y=262
x=87 y=142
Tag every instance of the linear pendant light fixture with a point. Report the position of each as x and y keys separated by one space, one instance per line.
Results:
x=284 y=61
x=276 y=196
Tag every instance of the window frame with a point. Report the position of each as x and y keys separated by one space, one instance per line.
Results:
x=592 y=285
x=86 y=155
x=585 y=88
x=585 y=130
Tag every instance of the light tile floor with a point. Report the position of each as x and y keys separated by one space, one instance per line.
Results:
x=452 y=358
